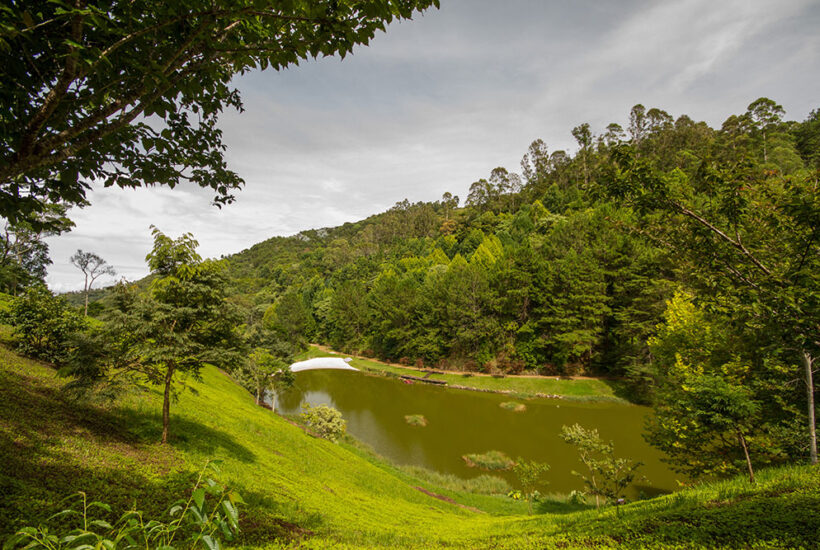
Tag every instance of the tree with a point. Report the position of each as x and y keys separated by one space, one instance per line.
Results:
x=583 y=136
x=747 y=238
x=24 y=251
x=265 y=372
x=608 y=476
x=129 y=94
x=184 y=321
x=93 y=267
x=765 y=114
x=530 y=475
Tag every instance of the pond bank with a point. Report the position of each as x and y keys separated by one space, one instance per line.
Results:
x=520 y=386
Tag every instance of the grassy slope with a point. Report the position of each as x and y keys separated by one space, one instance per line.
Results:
x=587 y=388
x=330 y=495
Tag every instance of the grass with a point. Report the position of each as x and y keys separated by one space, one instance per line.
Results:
x=521 y=387
x=309 y=493
x=416 y=420
x=491 y=460
x=513 y=406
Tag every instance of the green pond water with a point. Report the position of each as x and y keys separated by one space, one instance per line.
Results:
x=462 y=422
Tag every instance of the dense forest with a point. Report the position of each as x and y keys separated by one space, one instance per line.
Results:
x=543 y=270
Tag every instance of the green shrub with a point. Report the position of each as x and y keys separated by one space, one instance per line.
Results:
x=491 y=460
x=43 y=323
x=325 y=421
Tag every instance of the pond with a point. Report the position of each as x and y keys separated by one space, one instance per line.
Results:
x=460 y=422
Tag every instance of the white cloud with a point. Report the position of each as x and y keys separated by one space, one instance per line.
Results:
x=437 y=102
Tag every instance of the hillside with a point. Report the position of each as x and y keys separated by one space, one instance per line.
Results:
x=308 y=491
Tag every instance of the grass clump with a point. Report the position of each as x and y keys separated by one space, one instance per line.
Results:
x=416 y=420
x=485 y=484
x=513 y=406
x=491 y=460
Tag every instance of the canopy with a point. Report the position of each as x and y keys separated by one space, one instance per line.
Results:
x=322 y=363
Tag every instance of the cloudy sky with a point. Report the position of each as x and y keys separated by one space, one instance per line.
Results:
x=436 y=103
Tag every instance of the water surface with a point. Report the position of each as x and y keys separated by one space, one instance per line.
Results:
x=461 y=422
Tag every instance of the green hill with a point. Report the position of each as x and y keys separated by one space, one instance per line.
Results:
x=307 y=492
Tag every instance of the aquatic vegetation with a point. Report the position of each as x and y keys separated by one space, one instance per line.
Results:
x=416 y=420
x=491 y=460
x=513 y=406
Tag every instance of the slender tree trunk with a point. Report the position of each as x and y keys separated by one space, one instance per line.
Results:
x=86 y=297
x=808 y=363
x=258 y=394
x=166 y=402
x=746 y=454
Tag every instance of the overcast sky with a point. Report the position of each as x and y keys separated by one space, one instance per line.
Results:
x=436 y=103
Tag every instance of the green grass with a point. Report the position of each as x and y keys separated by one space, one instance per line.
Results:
x=306 y=492
x=520 y=387
x=491 y=460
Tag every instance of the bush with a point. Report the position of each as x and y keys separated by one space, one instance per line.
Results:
x=43 y=324
x=325 y=421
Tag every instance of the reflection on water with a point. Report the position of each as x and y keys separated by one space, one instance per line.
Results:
x=462 y=422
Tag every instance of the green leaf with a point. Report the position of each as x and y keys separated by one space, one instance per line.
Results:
x=199 y=497
x=211 y=543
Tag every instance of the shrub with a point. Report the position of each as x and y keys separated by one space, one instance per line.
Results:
x=491 y=460
x=43 y=323
x=325 y=421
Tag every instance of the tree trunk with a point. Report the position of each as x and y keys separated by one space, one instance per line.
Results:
x=808 y=363
x=746 y=454
x=86 y=296
x=166 y=402
x=258 y=394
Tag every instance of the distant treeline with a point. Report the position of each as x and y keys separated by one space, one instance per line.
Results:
x=537 y=270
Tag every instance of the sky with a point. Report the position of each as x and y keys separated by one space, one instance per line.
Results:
x=436 y=103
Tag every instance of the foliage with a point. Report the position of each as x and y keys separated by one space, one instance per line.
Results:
x=181 y=324
x=530 y=476
x=416 y=420
x=43 y=324
x=607 y=475
x=202 y=520
x=264 y=372
x=24 y=251
x=325 y=421
x=491 y=460
x=130 y=94
x=715 y=406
